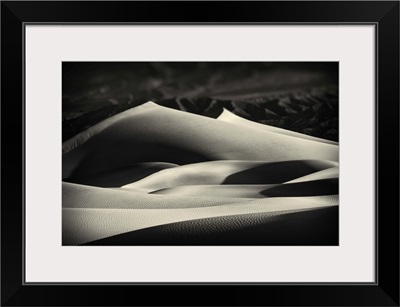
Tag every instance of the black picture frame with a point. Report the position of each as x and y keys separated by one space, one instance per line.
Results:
x=383 y=14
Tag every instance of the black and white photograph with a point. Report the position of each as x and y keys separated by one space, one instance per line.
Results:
x=200 y=153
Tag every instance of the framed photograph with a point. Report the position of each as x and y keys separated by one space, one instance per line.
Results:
x=239 y=147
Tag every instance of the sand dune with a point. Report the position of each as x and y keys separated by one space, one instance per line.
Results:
x=150 y=133
x=82 y=225
x=153 y=175
x=308 y=227
x=230 y=117
x=231 y=172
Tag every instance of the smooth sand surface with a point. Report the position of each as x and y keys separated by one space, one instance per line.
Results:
x=149 y=133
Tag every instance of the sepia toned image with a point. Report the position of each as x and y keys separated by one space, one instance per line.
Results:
x=200 y=153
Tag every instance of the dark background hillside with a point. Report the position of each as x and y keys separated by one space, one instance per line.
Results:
x=302 y=97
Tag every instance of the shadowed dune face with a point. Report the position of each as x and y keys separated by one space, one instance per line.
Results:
x=307 y=188
x=153 y=175
x=278 y=172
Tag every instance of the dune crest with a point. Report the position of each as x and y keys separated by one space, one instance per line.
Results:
x=230 y=117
